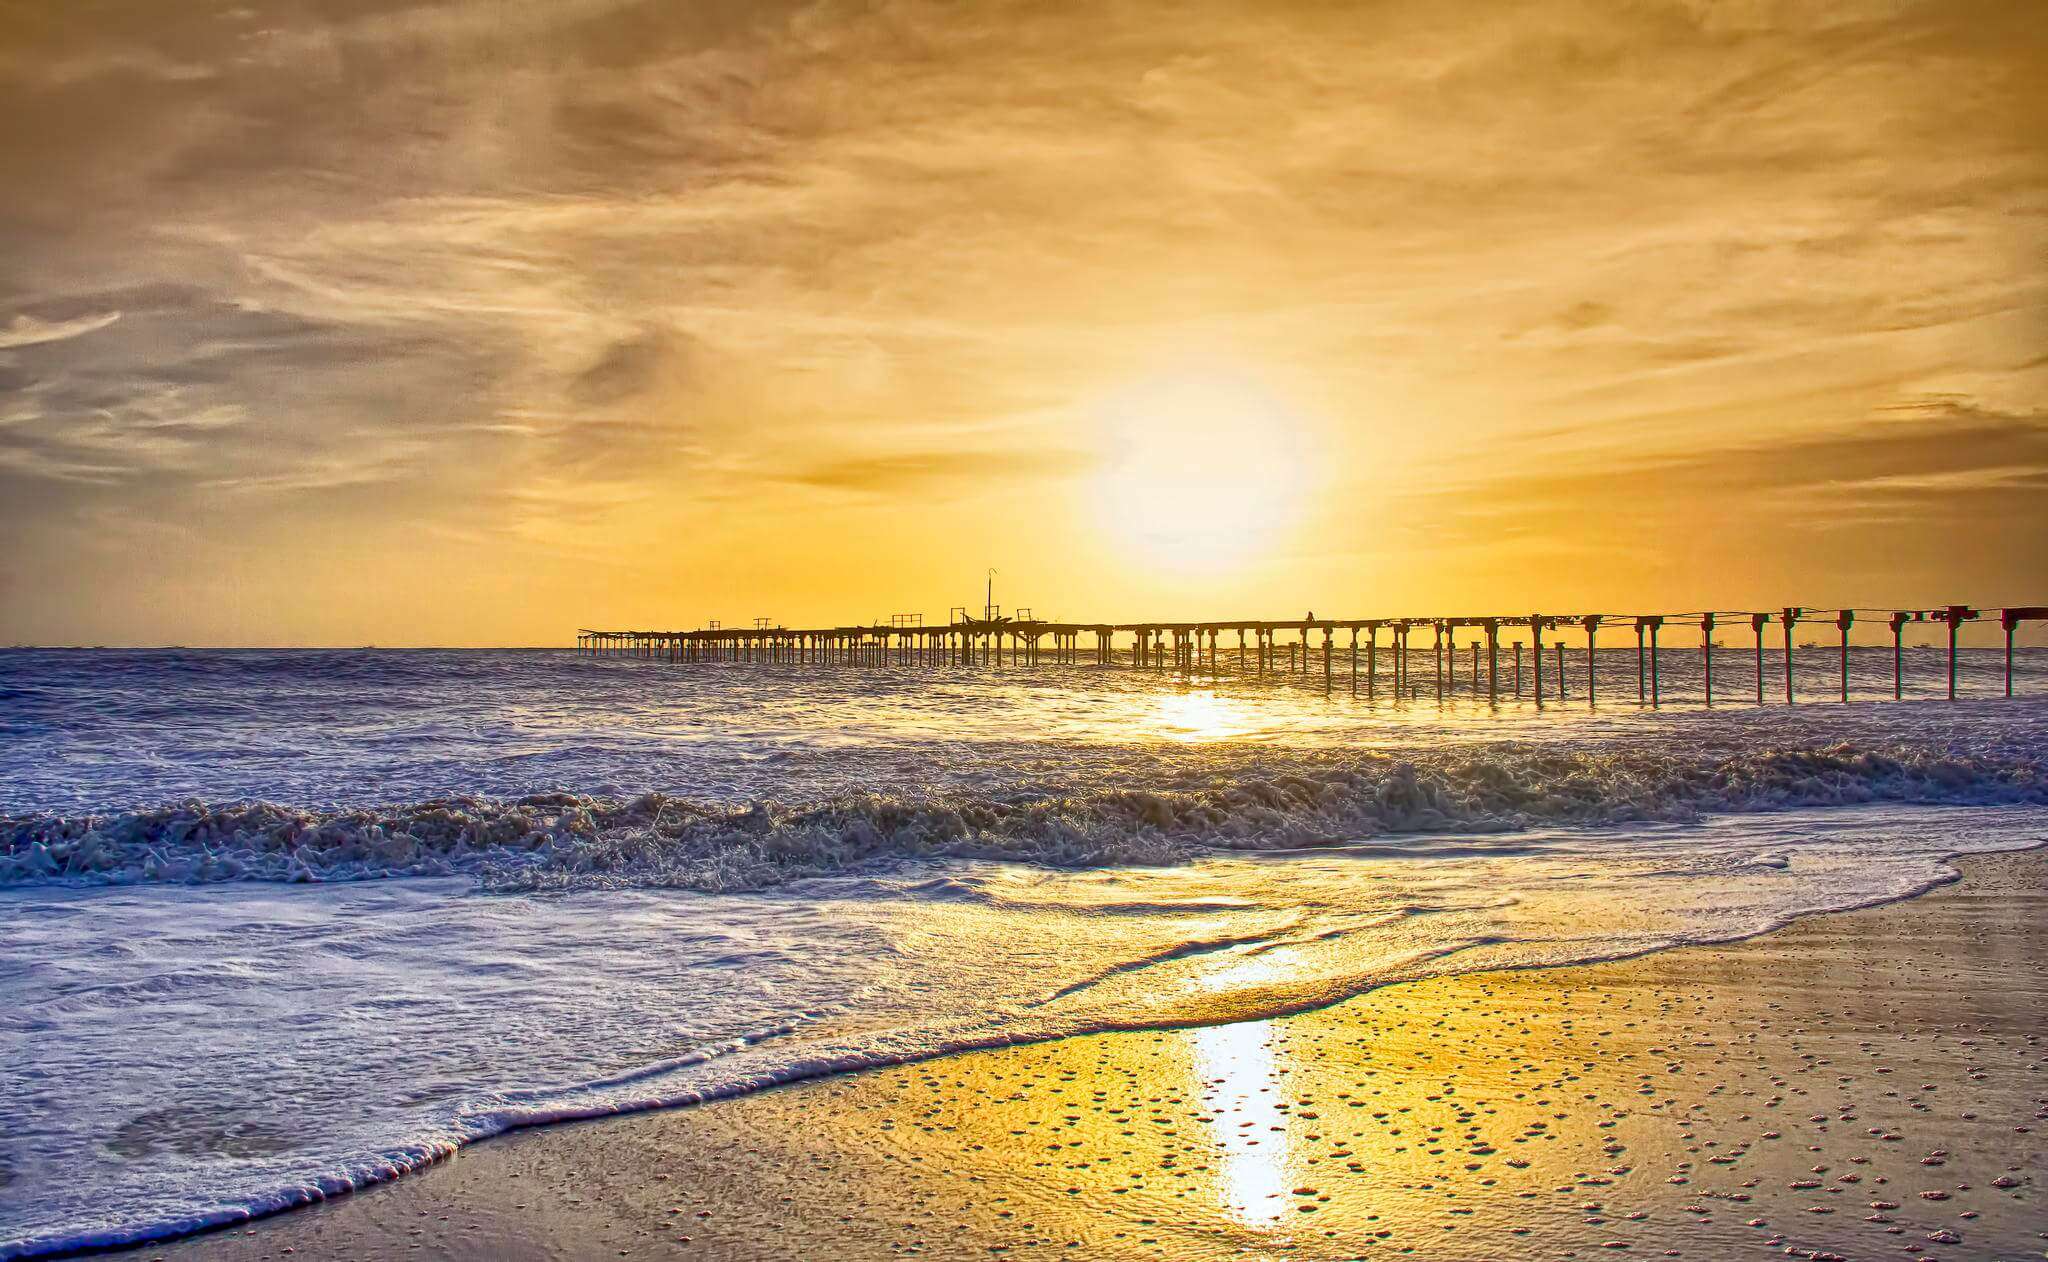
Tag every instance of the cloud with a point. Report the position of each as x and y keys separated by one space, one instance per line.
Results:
x=381 y=262
x=26 y=330
x=628 y=367
x=928 y=473
x=1941 y=458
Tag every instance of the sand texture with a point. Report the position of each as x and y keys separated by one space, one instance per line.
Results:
x=1872 y=1084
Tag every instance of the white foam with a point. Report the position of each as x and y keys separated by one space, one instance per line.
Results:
x=562 y=841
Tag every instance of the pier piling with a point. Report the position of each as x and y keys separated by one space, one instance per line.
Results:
x=1955 y=616
x=1027 y=644
x=1707 y=656
x=1790 y=616
x=1844 y=620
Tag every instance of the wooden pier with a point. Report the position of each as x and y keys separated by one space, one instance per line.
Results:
x=1311 y=645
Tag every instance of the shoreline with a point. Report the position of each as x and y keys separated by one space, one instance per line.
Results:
x=528 y=1194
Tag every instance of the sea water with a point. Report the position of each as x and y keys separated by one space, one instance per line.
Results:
x=278 y=925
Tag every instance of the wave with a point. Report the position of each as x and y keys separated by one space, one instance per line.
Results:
x=558 y=841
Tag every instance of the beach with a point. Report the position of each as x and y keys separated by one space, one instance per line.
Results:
x=1132 y=631
x=1871 y=1083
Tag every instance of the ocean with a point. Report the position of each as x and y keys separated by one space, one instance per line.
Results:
x=277 y=925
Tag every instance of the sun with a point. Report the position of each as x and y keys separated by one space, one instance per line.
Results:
x=1201 y=468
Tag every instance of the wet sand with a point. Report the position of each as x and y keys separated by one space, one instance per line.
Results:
x=1872 y=1084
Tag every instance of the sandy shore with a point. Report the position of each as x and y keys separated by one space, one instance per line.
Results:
x=1870 y=1084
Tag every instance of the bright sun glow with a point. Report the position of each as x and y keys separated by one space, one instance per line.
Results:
x=1202 y=468
x=1199 y=717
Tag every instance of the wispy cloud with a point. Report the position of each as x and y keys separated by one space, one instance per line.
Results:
x=553 y=274
x=928 y=473
x=25 y=330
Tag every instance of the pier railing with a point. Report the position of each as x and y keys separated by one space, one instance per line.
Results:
x=1196 y=648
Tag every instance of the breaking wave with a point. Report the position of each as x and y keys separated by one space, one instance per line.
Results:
x=551 y=841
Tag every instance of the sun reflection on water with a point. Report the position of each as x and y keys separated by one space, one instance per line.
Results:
x=1200 y=716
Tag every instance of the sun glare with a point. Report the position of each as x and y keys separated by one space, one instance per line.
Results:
x=1201 y=469
x=1197 y=718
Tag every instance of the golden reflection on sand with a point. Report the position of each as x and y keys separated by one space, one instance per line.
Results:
x=1241 y=1087
x=1676 y=1105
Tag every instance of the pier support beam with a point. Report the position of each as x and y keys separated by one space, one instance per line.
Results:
x=1844 y=619
x=1592 y=624
x=1955 y=616
x=1899 y=620
x=1642 y=673
x=1757 y=623
x=1439 y=650
x=1656 y=694
x=1492 y=661
x=1790 y=617
x=1707 y=654
x=2009 y=620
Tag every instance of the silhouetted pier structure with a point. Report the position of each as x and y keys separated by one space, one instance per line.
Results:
x=1290 y=647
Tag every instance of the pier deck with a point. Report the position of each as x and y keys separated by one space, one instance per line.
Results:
x=1196 y=648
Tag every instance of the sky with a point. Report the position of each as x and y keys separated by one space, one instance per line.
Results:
x=452 y=322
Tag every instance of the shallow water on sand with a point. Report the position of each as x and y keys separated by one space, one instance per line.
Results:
x=661 y=884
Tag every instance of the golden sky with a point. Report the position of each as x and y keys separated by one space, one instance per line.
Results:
x=348 y=321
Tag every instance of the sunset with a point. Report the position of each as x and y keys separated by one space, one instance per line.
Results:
x=682 y=311
x=1142 y=630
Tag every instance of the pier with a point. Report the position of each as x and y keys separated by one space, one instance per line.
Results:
x=1315 y=646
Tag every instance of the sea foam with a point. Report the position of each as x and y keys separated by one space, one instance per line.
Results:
x=564 y=840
